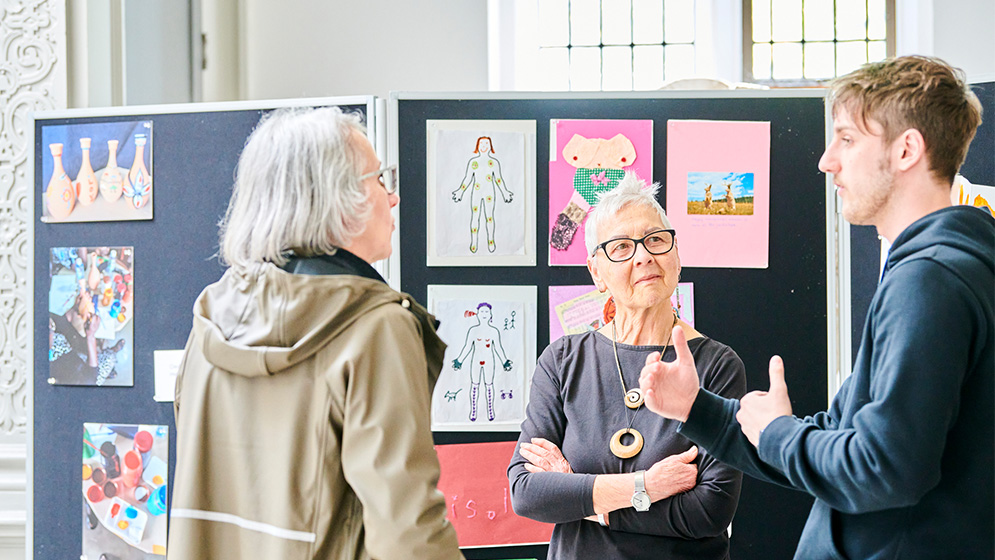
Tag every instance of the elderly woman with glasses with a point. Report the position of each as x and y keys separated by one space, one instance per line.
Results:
x=617 y=480
x=302 y=403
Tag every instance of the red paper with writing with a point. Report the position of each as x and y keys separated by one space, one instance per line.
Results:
x=474 y=481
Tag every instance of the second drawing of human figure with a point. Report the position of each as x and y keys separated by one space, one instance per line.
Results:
x=483 y=174
x=483 y=351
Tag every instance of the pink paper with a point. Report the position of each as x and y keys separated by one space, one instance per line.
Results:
x=474 y=481
x=590 y=309
x=722 y=235
x=561 y=173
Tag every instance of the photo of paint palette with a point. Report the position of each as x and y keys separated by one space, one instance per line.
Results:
x=126 y=521
x=125 y=490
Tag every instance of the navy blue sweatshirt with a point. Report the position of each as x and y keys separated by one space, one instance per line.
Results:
x=902 y=465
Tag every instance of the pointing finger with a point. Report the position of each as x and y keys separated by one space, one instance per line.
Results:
x=681 y=346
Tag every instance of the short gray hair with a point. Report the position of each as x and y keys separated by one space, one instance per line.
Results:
x=631 y=191
x=297 y=189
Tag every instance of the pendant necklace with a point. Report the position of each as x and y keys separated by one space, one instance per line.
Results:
x=633 y=399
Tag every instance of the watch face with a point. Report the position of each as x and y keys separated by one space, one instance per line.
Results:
x=641 y=501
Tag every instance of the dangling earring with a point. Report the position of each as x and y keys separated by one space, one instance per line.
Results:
x=677 y=308
x=608 y=313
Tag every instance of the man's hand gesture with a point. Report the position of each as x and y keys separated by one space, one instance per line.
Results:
x=670 y=388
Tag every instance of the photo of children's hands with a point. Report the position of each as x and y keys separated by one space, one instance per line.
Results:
x=759 y=408
x=672 y=475
x=544 y=456
x=670 y=388
x=92 y=326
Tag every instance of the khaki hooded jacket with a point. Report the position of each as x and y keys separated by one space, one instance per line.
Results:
x=302 y=412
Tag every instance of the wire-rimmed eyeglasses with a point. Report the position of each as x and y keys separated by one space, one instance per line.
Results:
x=387 y=177
x=623 y=248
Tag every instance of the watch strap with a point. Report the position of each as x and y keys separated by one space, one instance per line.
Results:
x=640 y=482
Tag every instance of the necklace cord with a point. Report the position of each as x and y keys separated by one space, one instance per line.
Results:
x=618 y=364
x=621 y=380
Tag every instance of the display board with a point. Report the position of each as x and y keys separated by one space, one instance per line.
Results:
x=156 y=263
x=777 y=309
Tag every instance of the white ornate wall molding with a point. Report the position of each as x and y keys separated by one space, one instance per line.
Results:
x=32 y=78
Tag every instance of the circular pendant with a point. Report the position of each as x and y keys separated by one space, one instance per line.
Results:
x=634 y=398
x=623 y=451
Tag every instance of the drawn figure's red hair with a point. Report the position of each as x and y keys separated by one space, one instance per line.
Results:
x=476 y=149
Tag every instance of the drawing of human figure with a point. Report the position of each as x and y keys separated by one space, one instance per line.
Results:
x=483 y=173
x=483 y=350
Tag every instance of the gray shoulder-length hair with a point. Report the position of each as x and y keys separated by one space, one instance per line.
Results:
x=297 y=189
x=631 y=190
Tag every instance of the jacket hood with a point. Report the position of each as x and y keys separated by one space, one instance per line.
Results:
x=261 y=322
x=965 y=230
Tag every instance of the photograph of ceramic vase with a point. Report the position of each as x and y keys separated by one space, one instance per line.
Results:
x=111 y=181
x=60 y=194
x=86 y=179
x=138 y=190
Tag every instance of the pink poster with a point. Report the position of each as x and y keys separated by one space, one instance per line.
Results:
x=580 y=309
x=474 y=481
x=588 y=157
x=718 y=192
x=575 y=310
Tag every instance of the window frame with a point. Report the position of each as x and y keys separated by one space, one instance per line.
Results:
x=747 y=50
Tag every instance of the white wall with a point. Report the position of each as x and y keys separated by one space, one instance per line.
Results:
x=158 y=46
x=307 y=48
x=964 y=35
x=958 y=31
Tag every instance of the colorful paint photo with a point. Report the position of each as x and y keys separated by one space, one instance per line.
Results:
x=96 y=172
x=720 y=194
x=90 y=311
x=125 y=491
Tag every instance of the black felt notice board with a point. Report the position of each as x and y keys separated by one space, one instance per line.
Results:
x=758 y=312
x=195 y=152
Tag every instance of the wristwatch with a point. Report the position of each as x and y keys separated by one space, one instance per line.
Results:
x=640 y=499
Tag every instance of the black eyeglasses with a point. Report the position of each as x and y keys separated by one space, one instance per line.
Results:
x=387 y=177
x=622 y=249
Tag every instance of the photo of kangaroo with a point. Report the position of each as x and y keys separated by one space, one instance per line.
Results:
x=720 y=193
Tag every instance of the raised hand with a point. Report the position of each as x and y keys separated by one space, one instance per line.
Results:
x=759 y=408
x=544 y=456
x=672 y=475
x=670 y=388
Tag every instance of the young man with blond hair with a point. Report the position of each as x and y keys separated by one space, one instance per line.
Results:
x=902 y=464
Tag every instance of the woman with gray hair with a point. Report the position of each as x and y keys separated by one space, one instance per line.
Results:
x=302 y=403
x=619 y=482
